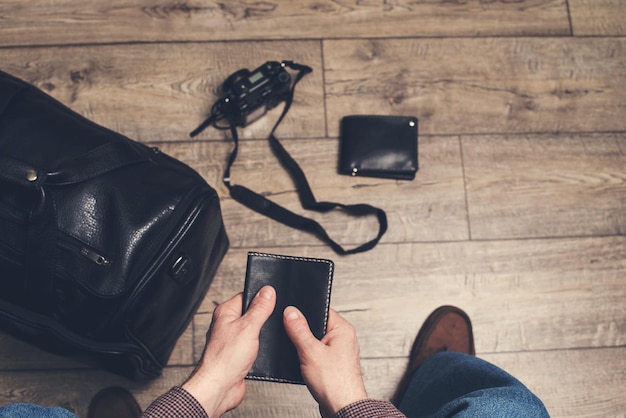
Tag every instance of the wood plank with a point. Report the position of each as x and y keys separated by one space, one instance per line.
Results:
x=546 y=186
x=546 y=84
x=161 y=92
x=581 y=391
x=103 y=21
x=481 y=85
x=598 y=17
x=522 y=295
x=430 y=208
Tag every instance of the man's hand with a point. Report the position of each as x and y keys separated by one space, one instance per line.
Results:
x=231 y=348
x=330 y=367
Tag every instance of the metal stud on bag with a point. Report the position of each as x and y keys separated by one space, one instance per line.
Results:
x=31 y=175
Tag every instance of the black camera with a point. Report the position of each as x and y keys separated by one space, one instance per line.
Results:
x=249 y=95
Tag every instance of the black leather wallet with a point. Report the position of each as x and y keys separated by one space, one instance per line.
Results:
x=301 y=282
x=378 y=146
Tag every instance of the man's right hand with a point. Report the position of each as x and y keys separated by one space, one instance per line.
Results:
x=232 y=345
x=330 y=367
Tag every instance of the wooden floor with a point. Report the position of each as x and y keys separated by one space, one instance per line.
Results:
x=517 y=215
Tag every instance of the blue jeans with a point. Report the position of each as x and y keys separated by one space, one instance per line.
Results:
x=458 y=385
x=23 y=410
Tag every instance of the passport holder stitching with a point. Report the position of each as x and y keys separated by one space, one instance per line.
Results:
x=329 y=284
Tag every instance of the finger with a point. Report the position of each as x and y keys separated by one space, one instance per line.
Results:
x=335 y=322
x=261 y=307
x=298 y=330
x=338 y=328
x=334 y=319
x=230 y=309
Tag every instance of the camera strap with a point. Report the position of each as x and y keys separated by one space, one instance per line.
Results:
x=266 y=207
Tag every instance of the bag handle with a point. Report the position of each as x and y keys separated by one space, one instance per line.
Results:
x=266 y=207
x=101 y=160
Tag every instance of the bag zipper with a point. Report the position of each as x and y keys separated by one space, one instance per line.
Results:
x=99 y=259
x=68 y=243
x=75 y=245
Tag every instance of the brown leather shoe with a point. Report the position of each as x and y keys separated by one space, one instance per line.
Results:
x=446 y=329
x=114 y=402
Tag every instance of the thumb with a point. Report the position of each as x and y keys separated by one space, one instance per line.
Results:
x=298 y=330
x=261 y=307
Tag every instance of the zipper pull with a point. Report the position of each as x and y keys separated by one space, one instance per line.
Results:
x=95 y=257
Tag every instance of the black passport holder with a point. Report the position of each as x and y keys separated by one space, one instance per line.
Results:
x=301 y=282
x=378 y=146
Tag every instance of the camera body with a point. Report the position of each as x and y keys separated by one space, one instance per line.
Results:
x=249 y=95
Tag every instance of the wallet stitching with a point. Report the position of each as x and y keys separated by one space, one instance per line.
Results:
x=328 y=289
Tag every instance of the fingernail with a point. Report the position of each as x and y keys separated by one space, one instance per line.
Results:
x=266 y=292
x=291 y=313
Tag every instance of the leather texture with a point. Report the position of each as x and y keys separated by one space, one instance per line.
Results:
x=301 y=282
x=114 y=402
x=379 y=146
x=107 y=246
x=447 y=328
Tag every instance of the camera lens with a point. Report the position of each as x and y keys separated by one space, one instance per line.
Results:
x=283 y=77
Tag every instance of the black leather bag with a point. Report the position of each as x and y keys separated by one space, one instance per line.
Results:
x=107 y=246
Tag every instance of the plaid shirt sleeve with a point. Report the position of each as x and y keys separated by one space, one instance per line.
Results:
x=370 y=408
x=177 y=403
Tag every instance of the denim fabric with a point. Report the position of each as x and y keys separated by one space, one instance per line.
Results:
x=23 y=410
x=458 y=385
